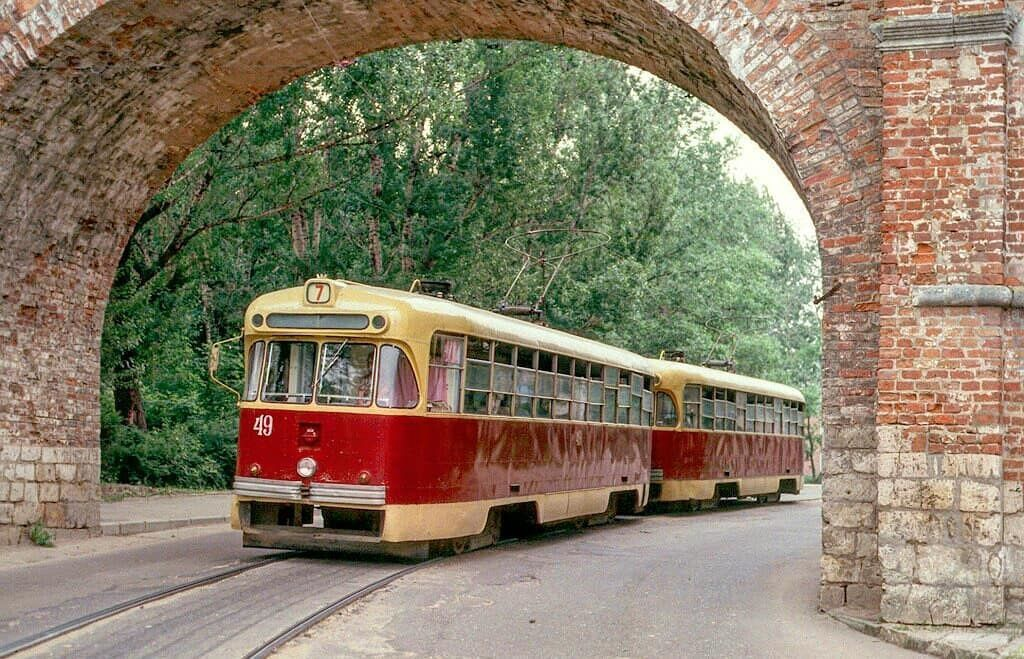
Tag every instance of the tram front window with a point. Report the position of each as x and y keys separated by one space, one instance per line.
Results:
x=396 y=381
x=290 y=366
x=346 y=374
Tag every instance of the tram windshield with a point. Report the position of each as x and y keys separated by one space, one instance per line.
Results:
x=346 y=374
x=290 y=366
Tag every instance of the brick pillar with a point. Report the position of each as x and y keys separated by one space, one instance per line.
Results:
x=50 y=322
x=1013 y=368
x=944 y=316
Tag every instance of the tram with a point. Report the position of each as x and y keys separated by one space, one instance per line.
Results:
x=408 y=424
x=719 y=435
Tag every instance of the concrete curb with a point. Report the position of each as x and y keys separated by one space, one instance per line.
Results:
x=135 y=527
x=948 y=642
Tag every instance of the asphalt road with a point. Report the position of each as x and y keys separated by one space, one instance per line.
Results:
x=736 y=582
x=741 y=581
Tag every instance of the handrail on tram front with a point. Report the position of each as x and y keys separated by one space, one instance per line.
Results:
x=215 y=362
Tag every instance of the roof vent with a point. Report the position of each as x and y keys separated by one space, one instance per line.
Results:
x=721 y=364
x=441 y=288
x=530 y=312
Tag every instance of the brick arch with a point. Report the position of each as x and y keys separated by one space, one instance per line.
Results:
x=102 y=100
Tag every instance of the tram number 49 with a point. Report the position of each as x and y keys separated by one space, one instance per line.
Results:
x=264 y=425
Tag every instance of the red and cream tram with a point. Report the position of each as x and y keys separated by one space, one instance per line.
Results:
x=394 y=422
x=718 y=434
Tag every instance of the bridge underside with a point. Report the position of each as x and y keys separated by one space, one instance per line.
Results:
x=899 y=122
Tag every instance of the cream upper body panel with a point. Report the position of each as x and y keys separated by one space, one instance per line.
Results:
x=413 y=318
x=674 y=376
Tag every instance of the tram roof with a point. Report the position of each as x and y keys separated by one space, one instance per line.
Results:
x=675 y=375
x=444 y=316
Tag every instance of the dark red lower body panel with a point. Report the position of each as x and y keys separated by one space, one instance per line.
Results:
x=704 y=455
x=424 y=459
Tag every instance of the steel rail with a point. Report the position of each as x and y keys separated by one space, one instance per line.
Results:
x=78 y=623
x=309 y=621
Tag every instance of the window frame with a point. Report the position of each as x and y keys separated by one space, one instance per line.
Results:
x=312 y=383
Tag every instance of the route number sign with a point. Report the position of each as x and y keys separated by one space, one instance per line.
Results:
x=318 y=292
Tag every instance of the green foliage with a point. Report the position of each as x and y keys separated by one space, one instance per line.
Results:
x=420 y=162
x=178 y=455
x=40 y=535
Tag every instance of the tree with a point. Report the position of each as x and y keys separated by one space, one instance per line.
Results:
x=421 y=162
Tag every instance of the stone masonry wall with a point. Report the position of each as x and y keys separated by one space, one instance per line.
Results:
x=57 y=486
x=941 y=429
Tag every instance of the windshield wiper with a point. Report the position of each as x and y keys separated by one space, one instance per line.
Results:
x=323 y=371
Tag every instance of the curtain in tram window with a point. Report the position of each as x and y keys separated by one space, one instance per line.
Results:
x=397 y=384
x=445 y=377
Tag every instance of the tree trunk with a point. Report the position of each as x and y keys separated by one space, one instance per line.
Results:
x=300 y=234
x=318 y=222
x=409 y=218
x=128 y=403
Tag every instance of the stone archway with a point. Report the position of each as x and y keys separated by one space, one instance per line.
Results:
x=102 y=100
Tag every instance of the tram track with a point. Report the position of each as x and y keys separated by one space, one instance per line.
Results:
x=310 y=621
x=124 y=635
x=57 y=631
x=182 y=620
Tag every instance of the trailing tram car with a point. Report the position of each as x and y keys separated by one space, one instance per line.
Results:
x=401 y=423
x=719 y=435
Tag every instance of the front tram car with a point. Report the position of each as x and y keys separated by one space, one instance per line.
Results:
x=392 y=422
x=718 y=434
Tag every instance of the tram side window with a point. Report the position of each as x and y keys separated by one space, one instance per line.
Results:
x=741 y=411
x=665 y=411
x=636 y=395
x=707 y=408
x=611 y=393
x=623 y=399
x=725 y=409
x=526 y=381
x=691 y=406
x=444 y=378
x=346 y=374
x=563 y=387
x=254 y=369
x=396 y=381
x=478 y=376
x=545 y=384
x=504 y=379
x=647 y=418
x=580 y=386
x=595 y=395
x=794 y=413
x=290 y=366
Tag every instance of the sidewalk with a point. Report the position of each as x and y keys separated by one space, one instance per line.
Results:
x=162 y=512
x=941 y=641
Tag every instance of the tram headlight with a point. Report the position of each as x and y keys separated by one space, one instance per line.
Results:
x=255 y=469
x=306 y=467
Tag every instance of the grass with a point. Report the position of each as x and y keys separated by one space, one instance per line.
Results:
x=40 y=535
